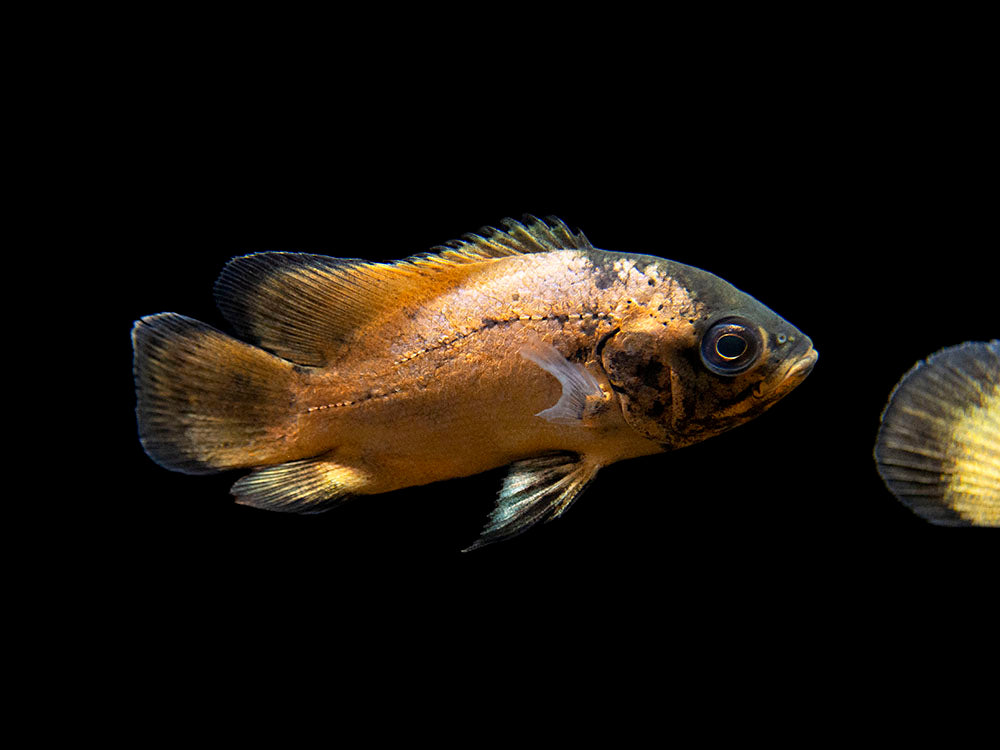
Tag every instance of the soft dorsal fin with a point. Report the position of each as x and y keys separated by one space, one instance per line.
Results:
x=306 y=307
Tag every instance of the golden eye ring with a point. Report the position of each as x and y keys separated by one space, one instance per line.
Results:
x=731 y=346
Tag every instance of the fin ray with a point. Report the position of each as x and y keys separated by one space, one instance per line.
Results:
x=308 y=308
x=938 y=446
x=577 y=383
x=206 y=402
x=309 y=486
x=534 y=490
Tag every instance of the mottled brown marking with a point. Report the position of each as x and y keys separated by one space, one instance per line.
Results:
x=366 y=377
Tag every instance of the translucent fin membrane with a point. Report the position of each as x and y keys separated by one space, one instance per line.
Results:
x=309 y=309
x=938 y=447
x=204 y=401
x=536 y=489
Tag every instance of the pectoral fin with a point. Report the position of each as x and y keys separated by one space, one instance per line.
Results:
x=536 y=489
x=579 y=386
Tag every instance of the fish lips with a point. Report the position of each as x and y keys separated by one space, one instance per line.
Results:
x=789 y=377
x=802 y=367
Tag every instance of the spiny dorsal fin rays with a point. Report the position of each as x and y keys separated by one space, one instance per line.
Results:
x=534 y=236
x=306 y=308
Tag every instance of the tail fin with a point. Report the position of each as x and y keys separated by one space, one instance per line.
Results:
x=938 y=447
x=205 y=401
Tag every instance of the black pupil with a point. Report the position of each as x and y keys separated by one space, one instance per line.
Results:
x=730 y=346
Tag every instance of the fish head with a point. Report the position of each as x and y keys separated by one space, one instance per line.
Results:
x=699 y=357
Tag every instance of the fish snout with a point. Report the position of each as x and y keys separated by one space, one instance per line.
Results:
x=788 y=377
x=804 y=364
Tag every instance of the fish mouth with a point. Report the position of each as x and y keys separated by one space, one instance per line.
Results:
x=802 y=367
x=790 y=377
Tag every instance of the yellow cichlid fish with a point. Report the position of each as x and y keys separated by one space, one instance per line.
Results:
x=525 y=346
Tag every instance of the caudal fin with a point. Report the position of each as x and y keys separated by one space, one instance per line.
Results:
x=205 y=401
x=938 y=447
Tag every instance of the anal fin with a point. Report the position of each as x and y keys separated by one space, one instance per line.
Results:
x=309 y=486
x=536 y=489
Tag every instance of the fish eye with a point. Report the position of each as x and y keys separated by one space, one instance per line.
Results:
x=731 y=346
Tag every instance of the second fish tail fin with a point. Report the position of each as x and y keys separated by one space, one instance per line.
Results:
x=207 y=402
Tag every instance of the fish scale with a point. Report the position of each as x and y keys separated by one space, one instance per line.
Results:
x=523 y=346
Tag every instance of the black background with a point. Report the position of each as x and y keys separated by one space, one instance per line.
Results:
x=852 y=204
x=878 y=268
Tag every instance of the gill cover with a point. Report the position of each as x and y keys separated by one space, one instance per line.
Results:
x=641 y=376
x=680 y=383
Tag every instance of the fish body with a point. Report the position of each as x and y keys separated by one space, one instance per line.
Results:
x=525 y=347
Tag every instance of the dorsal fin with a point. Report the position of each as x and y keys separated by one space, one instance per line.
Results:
x=306 y=307
x=534 y=236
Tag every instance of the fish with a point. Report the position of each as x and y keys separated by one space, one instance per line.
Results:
x=938 y=443
x=523 y=346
